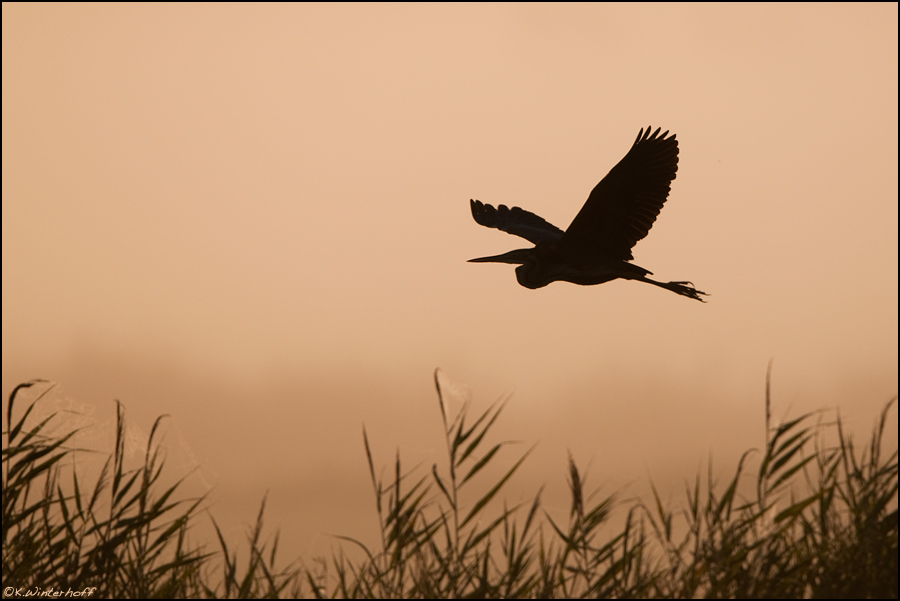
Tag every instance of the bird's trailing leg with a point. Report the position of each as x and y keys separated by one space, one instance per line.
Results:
x=682 y=288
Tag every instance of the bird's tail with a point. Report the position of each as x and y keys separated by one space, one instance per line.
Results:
x=683 y=288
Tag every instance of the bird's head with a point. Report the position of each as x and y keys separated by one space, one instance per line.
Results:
x=527 y=261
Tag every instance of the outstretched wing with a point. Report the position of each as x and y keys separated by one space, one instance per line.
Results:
x=515 y=221
x=623 y=206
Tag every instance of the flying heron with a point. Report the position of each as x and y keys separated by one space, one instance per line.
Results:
x=597 y=246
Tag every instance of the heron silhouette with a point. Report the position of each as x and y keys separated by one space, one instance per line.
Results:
x=597 y=246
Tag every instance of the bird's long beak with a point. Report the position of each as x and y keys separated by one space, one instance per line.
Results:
x=517 y=257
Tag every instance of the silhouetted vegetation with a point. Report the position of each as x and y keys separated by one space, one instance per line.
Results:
x=822 y=522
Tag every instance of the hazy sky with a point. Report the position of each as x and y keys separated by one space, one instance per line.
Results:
x=255 y=218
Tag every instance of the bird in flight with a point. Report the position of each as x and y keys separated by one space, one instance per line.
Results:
x=597 y=246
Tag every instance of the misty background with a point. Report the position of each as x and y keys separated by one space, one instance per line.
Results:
x=255 y=219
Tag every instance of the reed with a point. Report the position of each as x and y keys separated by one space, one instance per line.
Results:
x=819 y=521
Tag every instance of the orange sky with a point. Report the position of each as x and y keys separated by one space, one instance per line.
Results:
x=255 y=218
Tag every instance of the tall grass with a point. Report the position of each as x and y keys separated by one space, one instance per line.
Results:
x=820 y=521
x=121 y=536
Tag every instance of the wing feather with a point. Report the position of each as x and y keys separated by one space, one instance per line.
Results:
x=621 y=208
x=515 y=221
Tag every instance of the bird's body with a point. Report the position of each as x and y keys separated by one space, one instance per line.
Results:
x=597 y=245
